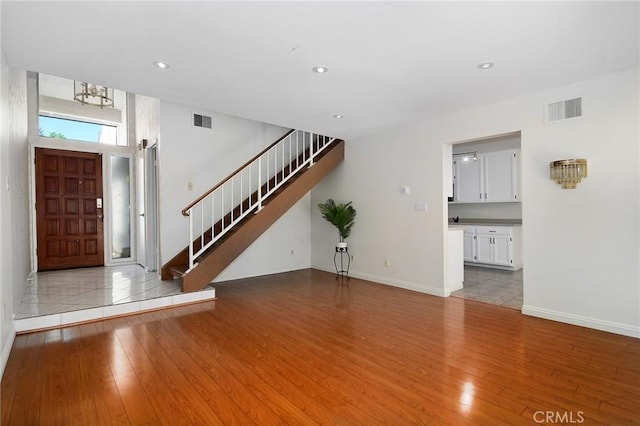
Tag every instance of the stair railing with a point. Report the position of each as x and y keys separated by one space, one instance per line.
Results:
x=218 y=210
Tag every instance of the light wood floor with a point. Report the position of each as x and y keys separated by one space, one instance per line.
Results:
x=295 y=349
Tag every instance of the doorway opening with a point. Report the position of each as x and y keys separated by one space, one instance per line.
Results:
x=486 y=202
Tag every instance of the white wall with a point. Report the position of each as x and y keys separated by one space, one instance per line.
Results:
x=581 y=247
x=14 y=200
x=147 y=117
x=285 y=246
x=7 y=332
x=206 y=156
x=388 y=227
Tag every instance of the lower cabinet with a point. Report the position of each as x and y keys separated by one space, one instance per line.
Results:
x=495 y=246
x=469 y=237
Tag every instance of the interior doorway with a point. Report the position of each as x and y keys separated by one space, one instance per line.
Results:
x=483 y=183
x=69 y=211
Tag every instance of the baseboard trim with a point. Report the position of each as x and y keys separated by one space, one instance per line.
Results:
x=407 y=285
x=6 y=349
x=454 y=287
x=608 y=326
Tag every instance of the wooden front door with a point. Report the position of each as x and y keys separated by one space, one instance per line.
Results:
x=69 y=209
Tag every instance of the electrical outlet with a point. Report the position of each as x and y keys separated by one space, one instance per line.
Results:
x=386 y=263
x=189 y=186
x=353 y=258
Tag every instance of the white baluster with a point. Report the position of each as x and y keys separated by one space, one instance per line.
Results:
x=311 y=163
x=259 y=184
x=190 y=238
x=213 y=216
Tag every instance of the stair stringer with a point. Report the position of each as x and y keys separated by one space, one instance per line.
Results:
x=227 y=250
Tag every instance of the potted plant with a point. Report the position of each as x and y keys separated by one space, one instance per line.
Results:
x=342 y=216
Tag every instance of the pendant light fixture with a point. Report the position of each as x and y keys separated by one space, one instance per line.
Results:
x=92 y=94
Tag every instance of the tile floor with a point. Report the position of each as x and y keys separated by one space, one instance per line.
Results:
x=493 y=286
x=54 y=292
x=58 y=298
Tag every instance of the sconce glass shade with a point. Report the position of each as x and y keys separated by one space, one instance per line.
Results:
x=92 y=94
x=568 y=173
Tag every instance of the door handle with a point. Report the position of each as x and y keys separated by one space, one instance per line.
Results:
x=141 y=215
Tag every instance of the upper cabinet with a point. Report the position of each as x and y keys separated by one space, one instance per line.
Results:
x=493 y=177
x=467 y=179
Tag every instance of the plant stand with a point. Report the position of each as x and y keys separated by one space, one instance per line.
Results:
x=340 y=270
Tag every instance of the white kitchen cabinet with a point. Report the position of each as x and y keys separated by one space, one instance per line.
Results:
x=494 y=246
x=503 y=249
x=466 y=179
x=493 y=178
x=484 y=249
x=500 y=176
x=469 y=237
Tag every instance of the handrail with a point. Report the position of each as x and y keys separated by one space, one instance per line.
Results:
x=243 y=192
x=232 y=174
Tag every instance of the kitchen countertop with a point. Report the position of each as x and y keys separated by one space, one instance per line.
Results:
x=472 y=221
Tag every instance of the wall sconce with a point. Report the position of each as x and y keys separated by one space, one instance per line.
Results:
x=568 y=173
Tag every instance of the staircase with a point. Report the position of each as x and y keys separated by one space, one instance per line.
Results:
x=228 y=218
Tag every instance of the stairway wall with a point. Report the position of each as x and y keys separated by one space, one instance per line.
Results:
x=272 y=251
x=206 y=156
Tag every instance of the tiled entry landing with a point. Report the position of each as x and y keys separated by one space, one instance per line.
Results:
x=57 y=298
x=493 y=286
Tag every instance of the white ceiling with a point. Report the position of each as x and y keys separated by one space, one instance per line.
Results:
x=389 y=62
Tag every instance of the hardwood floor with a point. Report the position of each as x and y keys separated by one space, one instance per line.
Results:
x=295 y=348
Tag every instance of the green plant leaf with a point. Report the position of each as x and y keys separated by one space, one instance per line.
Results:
x=342 y=216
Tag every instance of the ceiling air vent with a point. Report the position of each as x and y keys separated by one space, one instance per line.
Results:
x=202 y=121
x=562 y=110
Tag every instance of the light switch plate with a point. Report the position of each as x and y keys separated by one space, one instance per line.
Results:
x=421 y=207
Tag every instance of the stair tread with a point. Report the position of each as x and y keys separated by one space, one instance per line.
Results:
x=178 y=270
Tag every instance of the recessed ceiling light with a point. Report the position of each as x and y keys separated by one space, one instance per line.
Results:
x=320 y=69
x=485 y=65
x=338 y=116
x=161 y=65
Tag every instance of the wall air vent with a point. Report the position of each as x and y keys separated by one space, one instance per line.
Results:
x=563 y=110
x=202 y=121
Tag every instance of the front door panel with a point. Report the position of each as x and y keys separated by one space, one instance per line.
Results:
x=69 y=209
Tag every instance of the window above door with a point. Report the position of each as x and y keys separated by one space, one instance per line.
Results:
x=62 y=117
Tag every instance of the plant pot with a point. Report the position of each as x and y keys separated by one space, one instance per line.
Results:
x=342 y=246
